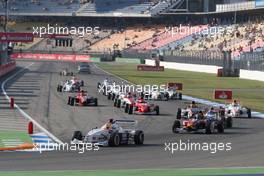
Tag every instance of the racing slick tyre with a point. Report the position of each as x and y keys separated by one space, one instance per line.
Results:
x=72 y=101
x=59 y=88
x=114 y=140
x=167 y=96
x=130 y=109
x=118 y=103
x=176 y=124
x=229 y=122
x=71 y=73
x=77 y=135
x=69 y=100
x=109 y=96
x=82 y=83
x=139 y=137
x=179 y=112
x=126 y=108
x=208 y=128
x=95 y=102
x=113 y=96
x=220 y=128
x=115 y=102
x=180 y=96
x=157 y=110
x=98 y=85
x=249 y=113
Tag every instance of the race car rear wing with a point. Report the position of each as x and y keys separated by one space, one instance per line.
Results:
x=127 y=124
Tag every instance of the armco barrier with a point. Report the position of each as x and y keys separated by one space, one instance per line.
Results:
x=186 y=67
x=244 y=74
x=51 y=57
x=4 y=69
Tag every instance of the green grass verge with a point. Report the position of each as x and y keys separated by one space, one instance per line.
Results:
x=22 y=136
x=176 y=172
x=200 y=85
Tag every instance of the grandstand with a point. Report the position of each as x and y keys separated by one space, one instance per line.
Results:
x=124 y=29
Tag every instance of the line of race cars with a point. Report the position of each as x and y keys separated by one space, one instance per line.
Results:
x=192 y=119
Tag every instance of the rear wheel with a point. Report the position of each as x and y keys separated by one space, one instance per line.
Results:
x=176 y=125
x=220 y=128
x=139 y=137
x=229 y=122
x=249 y=113
x=113 y=96
x=72 y=101
x=130 y=110
x=77 y=135
x=109 y=96
x=95 y=102
x=157 y=110
x=180 y=96
x=115 y=102
x=208 y=129
x=118 y=103
x=179 y=112
x=69 y=100
x=114 y=140
x=126 y=108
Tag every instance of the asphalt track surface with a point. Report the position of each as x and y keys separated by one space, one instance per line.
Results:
x=35 y=92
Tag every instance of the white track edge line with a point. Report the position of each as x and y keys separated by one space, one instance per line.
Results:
x=23 y=112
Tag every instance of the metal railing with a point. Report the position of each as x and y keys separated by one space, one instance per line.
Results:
x=252 y=61
x=248 y=61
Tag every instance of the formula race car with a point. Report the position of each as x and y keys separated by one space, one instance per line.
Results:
x=105 y=87
x=113 y=134
x=141 y=106
x=193 y=110
x=236 y=110
x=124 y=100
x=209 y=123
x=72 y=85
x=168 y=94
x=82 y=99
x=65 y=72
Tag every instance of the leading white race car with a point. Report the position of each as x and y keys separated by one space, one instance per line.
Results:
x=113 y=133
x=236 y=110
x=170 y=93
x=72 y=85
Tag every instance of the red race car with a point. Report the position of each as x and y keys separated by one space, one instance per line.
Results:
x=82 y=99
x=142 y=107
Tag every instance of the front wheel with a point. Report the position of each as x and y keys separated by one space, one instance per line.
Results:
x=114 y=140
x=176 y=125
x=139 y=138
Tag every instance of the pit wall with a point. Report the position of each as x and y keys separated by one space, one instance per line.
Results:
x=244 y=74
